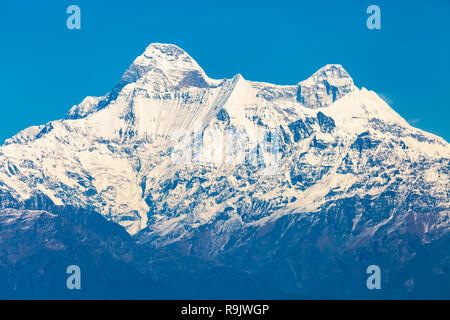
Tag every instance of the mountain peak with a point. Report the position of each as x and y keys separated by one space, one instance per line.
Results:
x=166 y=54
x=325 y=86
x=332 y=67
x=164 y=48
x=161 y=68
x=335 y=74
x=165 y=67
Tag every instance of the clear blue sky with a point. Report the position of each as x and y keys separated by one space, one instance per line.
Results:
x=46 y=68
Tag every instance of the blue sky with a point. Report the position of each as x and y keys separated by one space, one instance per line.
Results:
x=46 y=68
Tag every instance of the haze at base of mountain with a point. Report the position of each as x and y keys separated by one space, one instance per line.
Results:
x=38 y=246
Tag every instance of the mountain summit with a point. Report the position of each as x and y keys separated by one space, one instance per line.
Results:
x=353 y=184
x=109 y=153
x=167 y=67
x=324 y=87
x=162 y=67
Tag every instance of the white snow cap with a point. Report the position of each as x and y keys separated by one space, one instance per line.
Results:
x=325 y=86
x=168 y=56
x=167 y=66
x=335 y=74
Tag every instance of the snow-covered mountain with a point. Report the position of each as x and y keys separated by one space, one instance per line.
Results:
x=181 y=161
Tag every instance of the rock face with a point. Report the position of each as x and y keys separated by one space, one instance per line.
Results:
x=325 y=87
x=327 y=180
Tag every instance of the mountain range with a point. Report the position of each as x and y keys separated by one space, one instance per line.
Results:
x=177 y=185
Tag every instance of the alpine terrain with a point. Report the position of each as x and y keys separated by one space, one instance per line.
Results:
x=176 y=185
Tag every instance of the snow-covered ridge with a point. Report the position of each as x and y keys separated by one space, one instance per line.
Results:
x=113 y=153
x=164 y=68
